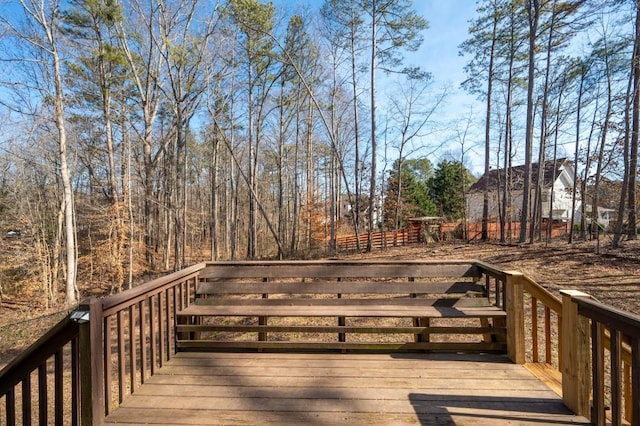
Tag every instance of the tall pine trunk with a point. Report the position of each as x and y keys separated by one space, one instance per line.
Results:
x=632 y=231
x=533 y=11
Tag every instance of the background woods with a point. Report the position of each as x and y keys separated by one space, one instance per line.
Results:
x=146 y=135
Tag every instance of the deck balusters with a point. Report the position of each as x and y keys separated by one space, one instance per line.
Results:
x=133 y=372
x=130 y=335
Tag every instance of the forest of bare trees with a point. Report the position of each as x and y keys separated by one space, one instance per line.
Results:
x=141 y=136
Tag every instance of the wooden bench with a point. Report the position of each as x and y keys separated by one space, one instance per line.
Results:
x=341 y=305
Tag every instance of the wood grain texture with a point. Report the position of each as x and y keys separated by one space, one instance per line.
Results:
x=237 y=293
x=380 y=309
x=285 y=388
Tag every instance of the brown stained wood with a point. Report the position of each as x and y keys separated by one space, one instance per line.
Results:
x=597 y=373
x=132 y=349
x=152 y=336
x=10 y=406
x=237 y=388
x=31 y=359
x=339 y=269
x=58 y=392
x=133 y=296
x=175 y=309
x=108 y=344
x=43 y=394
x=421 y=330
x=368 y=310
x=26 y=401
x=122 y=371
x=284 y=303
x=161 y=330
x=364 y=289
x=231 y=417
x=75 y=382
x=143 y=340
x=91 y=365
x=169 y=322
x=628 y=400
x=342 y=346
x=547 y=335
x=635 y=380
x=534 y=329
x=342 y=287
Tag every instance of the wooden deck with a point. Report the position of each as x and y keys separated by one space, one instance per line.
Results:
x=287 y=388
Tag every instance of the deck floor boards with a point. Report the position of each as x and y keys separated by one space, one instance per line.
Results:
x=286 y=388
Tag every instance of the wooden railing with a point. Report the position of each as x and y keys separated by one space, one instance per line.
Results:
x=568 y=340
x=543 y=323
x=98 y=355
x=43 y=381
x=88 y=363
x=614 y=335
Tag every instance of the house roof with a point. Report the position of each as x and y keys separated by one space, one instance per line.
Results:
x=552 y=171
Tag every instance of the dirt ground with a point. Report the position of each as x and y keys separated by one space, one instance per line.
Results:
x=612 y=276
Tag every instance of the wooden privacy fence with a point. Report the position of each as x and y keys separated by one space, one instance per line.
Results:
x=380 y=239
x=512 y=230
x=87 y=365
x=416 y=233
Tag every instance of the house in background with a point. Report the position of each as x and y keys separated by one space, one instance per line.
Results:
x=557 y=192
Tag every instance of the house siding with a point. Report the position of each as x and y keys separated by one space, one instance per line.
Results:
x=562 y=194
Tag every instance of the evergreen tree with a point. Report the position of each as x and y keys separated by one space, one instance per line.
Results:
x=414 y=200
x=447 y=188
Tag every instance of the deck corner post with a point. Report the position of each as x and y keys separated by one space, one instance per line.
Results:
x=91 y=363
x=514 y=292
x=576 y=359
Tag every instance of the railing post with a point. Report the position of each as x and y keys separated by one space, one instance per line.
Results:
x=576 y=358
x=91 y=363
x=514 y=294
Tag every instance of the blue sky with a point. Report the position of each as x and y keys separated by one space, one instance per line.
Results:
x=448 y=28
x=439 y=54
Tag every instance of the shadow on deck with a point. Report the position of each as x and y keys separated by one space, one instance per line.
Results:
x=287 y=388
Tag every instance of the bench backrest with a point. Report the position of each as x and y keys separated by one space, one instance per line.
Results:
x=344 y=277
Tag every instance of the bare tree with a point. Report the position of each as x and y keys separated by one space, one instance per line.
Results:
x=41 y=38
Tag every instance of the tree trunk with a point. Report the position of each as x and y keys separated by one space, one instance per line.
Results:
x=577 y=150
x=622 y=205
x=632 y=230
x=487 y=132
x=356 y=134
x=526 y=194
x=65 y=174
x=374 y=147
